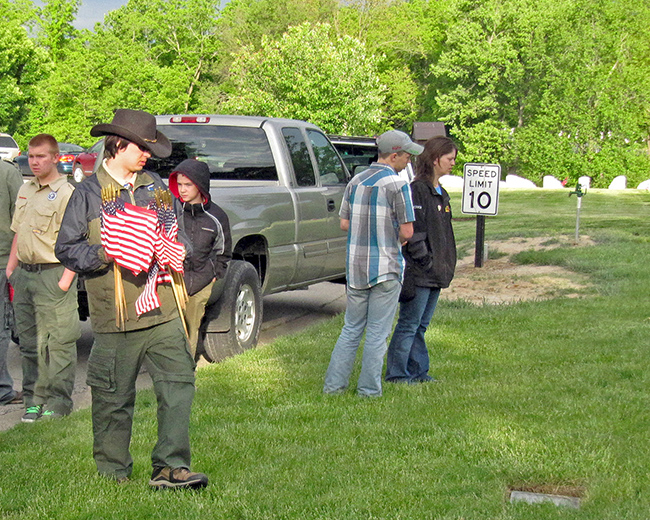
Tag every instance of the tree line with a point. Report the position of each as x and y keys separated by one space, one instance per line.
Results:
x=559 y=87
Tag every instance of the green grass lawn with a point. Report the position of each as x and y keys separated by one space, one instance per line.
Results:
x=548 y=394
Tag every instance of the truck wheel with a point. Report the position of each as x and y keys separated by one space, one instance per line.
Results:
x=243 y=300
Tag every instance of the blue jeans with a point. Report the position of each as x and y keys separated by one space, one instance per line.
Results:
x=408 y=358
x=372 y=310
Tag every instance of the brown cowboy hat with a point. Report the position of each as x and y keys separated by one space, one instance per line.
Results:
x=136 y=126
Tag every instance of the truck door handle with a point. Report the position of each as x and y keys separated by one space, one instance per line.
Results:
x=331 y=205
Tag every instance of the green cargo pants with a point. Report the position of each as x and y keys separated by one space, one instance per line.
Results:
x=113 y=366
x=47 y=325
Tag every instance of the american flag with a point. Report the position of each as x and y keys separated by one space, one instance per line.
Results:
x=149 y=300
x=168 y=222
x=129 y=234
x=169 y=253
x=164 y=276
x=168 y=250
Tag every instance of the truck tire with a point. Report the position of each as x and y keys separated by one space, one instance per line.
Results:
x=242 y=298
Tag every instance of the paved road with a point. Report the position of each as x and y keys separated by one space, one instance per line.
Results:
x=284 y=313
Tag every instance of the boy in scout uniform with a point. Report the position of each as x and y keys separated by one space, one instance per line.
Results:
x=45 y=293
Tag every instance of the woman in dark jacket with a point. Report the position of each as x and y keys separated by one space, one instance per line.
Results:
x=430 y=263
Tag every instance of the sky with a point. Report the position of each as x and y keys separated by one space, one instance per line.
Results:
x=93 y=11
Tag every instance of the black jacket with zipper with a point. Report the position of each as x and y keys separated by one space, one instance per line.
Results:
x=208 y=229
x=431 y=253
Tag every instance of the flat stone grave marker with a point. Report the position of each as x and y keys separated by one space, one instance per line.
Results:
x=540 y=498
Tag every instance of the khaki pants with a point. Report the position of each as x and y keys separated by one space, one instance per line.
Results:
x=194 y=314
x=47 y=325
x=113 y=367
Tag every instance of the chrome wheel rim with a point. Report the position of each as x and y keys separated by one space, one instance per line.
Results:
x=245 y=313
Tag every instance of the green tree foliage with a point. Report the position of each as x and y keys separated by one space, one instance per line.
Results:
x=596 y=108
x=183 y=38
x=548 y=88
x=56 y=29
x=97 y=77
x=22 y=64
x=490 y=74
x=309 y=74
x=405 y=37
x=245 y=22
x=148 y=55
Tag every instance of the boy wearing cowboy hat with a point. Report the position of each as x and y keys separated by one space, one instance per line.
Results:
x=156 y=338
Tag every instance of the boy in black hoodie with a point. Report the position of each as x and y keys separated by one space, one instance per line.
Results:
x=208 y=229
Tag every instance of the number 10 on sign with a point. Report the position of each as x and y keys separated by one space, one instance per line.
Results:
x=481 y=189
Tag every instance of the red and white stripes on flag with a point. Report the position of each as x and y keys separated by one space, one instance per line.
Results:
x=169 y=252
x=149 y=300
x=129 y=235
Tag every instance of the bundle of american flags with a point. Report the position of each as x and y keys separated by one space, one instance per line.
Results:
x=167 y=265
x=143 y=239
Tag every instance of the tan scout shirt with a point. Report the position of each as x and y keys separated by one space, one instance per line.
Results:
x=39 y=211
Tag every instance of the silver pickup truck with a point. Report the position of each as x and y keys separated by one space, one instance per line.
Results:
x=280 y=182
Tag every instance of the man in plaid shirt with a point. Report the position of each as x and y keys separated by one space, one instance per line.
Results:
x=377 y=212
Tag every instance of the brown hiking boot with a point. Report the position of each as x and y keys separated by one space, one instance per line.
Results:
x=177 y=478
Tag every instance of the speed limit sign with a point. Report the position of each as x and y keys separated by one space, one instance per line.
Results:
x=481 y=189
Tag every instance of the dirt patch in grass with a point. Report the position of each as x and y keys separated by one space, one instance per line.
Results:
x=500 y=281
x=577 y=491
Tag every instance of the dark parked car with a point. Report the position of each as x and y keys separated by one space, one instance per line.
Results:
x=360 y=152
x=357 y=152
x=67 y=154
x=84 y=163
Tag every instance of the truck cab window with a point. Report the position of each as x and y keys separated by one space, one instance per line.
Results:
x=330 y=167
x=231 y=153
x=300 y=159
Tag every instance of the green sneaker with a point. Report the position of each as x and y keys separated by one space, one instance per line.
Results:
x=32 y=413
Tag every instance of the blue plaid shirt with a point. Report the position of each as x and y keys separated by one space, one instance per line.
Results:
x=376 y=202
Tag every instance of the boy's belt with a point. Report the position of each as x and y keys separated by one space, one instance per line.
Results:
x=36 y=268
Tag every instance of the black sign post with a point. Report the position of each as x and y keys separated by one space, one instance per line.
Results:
x=480 y=198
x=480 y=241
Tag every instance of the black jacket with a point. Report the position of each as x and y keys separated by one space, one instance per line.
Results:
x=208 y=229
x=431 y=253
